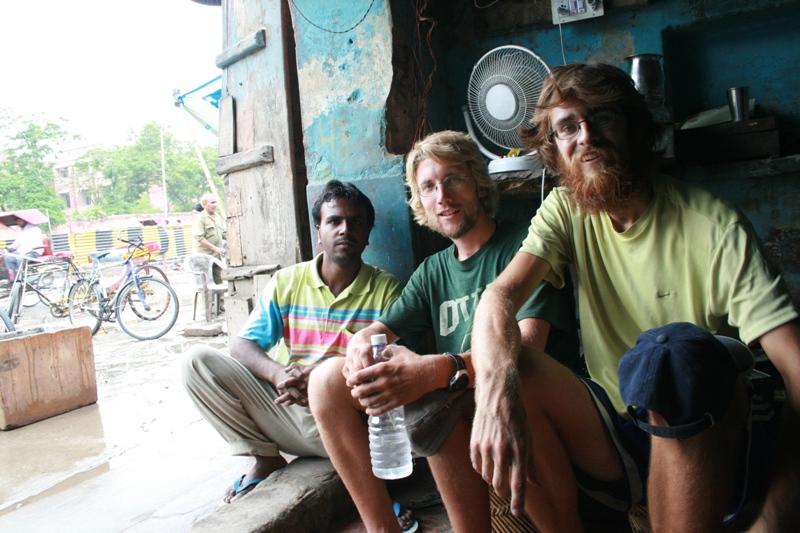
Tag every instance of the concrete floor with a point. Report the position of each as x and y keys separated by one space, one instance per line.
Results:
x=140 y=460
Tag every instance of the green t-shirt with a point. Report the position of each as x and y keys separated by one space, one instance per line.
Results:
x=443 y=292
x=689 y=258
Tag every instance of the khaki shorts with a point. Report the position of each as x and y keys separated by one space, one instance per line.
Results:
x=430 y=420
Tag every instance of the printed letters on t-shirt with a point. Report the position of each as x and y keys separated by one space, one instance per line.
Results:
x=453 y=312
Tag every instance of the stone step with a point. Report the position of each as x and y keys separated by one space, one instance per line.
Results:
x=308 y=496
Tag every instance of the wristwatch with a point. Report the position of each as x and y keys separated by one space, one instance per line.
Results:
x=460 y=379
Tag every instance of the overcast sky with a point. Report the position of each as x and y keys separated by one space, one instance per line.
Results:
x=108 y=66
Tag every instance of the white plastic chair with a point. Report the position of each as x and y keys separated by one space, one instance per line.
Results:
x=201 y=266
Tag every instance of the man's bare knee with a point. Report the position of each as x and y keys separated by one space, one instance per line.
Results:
x=327 y=387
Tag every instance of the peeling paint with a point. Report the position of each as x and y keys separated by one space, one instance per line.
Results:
x=355 y=96
x=344 y=84
x=346 y=148
x=326 y=80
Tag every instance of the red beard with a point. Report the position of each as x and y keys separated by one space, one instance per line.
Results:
x=605 y=186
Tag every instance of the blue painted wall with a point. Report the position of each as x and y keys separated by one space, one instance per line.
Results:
x=344 y=52
x=707 y=46
x=345 y=80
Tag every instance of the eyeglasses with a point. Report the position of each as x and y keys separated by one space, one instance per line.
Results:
x=569 y=129
x=451 y=183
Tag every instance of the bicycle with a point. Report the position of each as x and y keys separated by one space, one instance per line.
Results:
x=34 y=282
x=7 y=285
x=53 y=280
x=142 y=257
x=145 y=307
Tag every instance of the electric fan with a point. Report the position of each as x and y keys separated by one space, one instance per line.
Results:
x=504 y=85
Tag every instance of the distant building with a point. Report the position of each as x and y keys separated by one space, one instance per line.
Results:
x=76 y=188
x=81 y=189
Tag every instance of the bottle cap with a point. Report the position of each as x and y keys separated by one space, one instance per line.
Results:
x=378 y=339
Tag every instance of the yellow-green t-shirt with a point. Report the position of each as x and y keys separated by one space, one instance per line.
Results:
x=690 y=257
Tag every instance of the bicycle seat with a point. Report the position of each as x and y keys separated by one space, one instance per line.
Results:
x=45 y=252
x=64 y=255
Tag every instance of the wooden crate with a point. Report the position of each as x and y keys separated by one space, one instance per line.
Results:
x=43 y=374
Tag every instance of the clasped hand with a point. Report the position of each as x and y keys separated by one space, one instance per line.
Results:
x=293 y=388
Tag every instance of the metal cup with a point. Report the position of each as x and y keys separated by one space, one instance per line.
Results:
x=648 y=76
x=739 y=103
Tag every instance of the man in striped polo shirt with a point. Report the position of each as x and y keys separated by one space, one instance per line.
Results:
x=257 y=398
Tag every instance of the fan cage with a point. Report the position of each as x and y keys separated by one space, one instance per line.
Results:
x=520 y=71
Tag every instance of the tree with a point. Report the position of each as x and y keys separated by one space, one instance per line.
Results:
x=97 y=173
x=26 y=178
x=186 y=182
x=128 y=172
x=118 y=180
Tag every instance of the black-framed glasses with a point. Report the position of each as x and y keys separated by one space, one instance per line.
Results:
x=451 y=183
x=570 y=128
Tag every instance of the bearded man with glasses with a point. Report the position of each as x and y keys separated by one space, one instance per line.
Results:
x=663 y=268
x=452 y=194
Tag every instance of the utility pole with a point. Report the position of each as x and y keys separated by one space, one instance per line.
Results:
x=220 y=205
x=164 y=177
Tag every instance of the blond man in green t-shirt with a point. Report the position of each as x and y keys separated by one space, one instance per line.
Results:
x=452 y=194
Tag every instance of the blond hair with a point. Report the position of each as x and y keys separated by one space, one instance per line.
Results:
x=451 y=148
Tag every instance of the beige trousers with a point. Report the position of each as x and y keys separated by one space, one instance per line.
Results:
x=241 y=408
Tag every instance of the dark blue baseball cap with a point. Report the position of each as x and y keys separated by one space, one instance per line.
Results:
x=683 y=373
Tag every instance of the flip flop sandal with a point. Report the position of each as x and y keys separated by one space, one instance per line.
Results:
x=238 y=487
x=413 y=527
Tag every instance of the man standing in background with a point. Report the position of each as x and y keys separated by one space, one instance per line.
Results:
x=209 y=232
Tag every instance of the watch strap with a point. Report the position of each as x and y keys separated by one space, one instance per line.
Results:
x=460 y=378
x=458 y=360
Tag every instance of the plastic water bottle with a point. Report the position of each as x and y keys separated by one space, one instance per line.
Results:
x=388 y=441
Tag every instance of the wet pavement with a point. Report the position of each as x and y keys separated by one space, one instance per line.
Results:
x=140 y=460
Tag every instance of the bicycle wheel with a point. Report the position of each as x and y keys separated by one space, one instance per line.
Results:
x=151 y=270
x=147 y=312
x=29 y=297
x=5 y=323
x=85 y=303
x=51 y=285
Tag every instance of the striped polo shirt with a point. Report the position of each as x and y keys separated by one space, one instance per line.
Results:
x=299 y=314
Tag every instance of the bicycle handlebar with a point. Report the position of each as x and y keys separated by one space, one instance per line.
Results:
x=139 y=245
